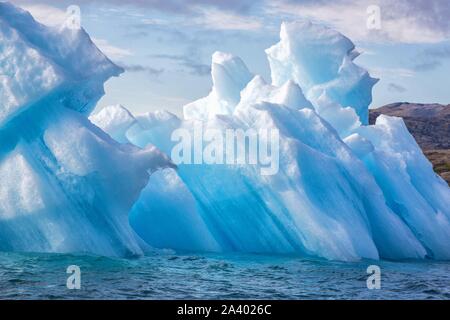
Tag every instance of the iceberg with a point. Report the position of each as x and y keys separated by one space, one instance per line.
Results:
x=63 y=185
x=334 y=195
x=108 y=183
x=323 y=201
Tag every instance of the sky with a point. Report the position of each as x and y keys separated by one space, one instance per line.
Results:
x=165 y=46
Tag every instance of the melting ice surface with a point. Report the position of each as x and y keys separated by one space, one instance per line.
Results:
x=344 y=190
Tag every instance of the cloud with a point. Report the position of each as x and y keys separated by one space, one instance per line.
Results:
x=111 y=51
x=167 y=6
x=221 y=20
x=393 y=87
x=439 y=52
x=430 y=14
x=141 y=68
x=191 y=64
x=218 y=14
x=381 y=73
x=432 y=58
x=405 y=21
x=427 y=65
x=168 y=31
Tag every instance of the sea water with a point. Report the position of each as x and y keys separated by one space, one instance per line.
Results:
x=166 y=275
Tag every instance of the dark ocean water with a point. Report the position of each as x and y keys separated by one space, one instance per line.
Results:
x=200 y=276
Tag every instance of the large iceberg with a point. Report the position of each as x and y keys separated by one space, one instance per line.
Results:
x=329 y=186
x=344 y=190
x=64 y=185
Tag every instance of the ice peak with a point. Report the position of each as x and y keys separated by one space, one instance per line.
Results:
x=222 y=57
x=258 y=90
x=229 y=76
x=39 y=61
x=320 y=61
